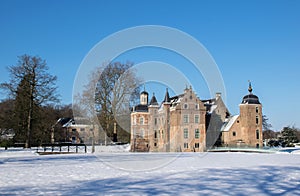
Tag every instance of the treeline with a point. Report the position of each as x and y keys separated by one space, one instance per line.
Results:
x=31 y=107
x=12 y=130
x=288 y=137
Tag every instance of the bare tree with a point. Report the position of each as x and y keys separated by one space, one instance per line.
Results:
x=31 y=86
x=107 y=97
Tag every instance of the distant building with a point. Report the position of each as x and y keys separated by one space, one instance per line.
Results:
x=80 y=130
x=184 y=123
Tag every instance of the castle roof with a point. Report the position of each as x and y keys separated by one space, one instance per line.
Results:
x=153 y=100
x=229 y=122
x=140 y=108
x=250 y=98
x=167 y=97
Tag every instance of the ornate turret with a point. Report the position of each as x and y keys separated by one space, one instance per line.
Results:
x=144 y=98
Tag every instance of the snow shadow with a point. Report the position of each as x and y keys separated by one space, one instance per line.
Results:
x=264 y=180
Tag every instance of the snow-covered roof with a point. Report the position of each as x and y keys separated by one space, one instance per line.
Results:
x=228 y=124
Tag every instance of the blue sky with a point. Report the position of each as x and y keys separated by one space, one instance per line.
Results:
x=249 y=40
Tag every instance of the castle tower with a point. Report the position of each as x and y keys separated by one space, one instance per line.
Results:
x=144 y=98
x=251 y=120
x=139 y=140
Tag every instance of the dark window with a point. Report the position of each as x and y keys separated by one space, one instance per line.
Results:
x=197 y=145
x=186 y=145
x=256 y=109
x=155 y=121
x=257 y=134
x=155 y=144
x=155 y=134
x=185 y=106
x=257 y=145
x=257 y=120
x=234 y=133
x=197 y=133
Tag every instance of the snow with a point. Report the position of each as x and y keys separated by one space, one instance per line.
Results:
x=113 y=171
x=230 y=123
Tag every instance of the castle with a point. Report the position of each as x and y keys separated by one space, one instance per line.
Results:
x=184 y=123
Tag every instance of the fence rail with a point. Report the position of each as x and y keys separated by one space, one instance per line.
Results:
x=62 y=147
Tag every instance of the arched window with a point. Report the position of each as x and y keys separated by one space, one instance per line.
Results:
x=257 y=120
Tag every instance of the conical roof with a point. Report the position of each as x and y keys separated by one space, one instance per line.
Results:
x=153 y=100
x=167 y=97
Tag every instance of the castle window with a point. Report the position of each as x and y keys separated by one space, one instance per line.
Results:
x=256 y=110
x=142 y=133
x=197 y=133
x=185 y=133
x=238 y=121
x=197 y=106
x=155 y=134
x=155 y=121
x=134 y=120
x=257 y=134
x=141 y=121
x=185 y=106
x=257 y=145
x=197 y=145
x=186 y=145
x=196 y=118
x=191 y=97
x=155 y=144
x=257 y=120
x=185 y=118
x=234 y=133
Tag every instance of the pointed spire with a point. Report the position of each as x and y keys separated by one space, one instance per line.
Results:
x=167 y=97
x=153 y=100
x=250 y=87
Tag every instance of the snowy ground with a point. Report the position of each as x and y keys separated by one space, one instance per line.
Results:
x=123 y=173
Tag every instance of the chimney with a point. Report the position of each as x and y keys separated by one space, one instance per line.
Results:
x=218 y=95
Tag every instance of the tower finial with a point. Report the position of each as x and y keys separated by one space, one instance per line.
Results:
x=250 y=87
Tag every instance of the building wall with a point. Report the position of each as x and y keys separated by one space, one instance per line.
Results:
x=251 y=121
x=183 y=120
x=243 y=132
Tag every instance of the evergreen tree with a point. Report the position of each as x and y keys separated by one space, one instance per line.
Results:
x=31 y=87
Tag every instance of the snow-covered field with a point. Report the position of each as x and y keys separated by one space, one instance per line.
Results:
x=115 y=172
